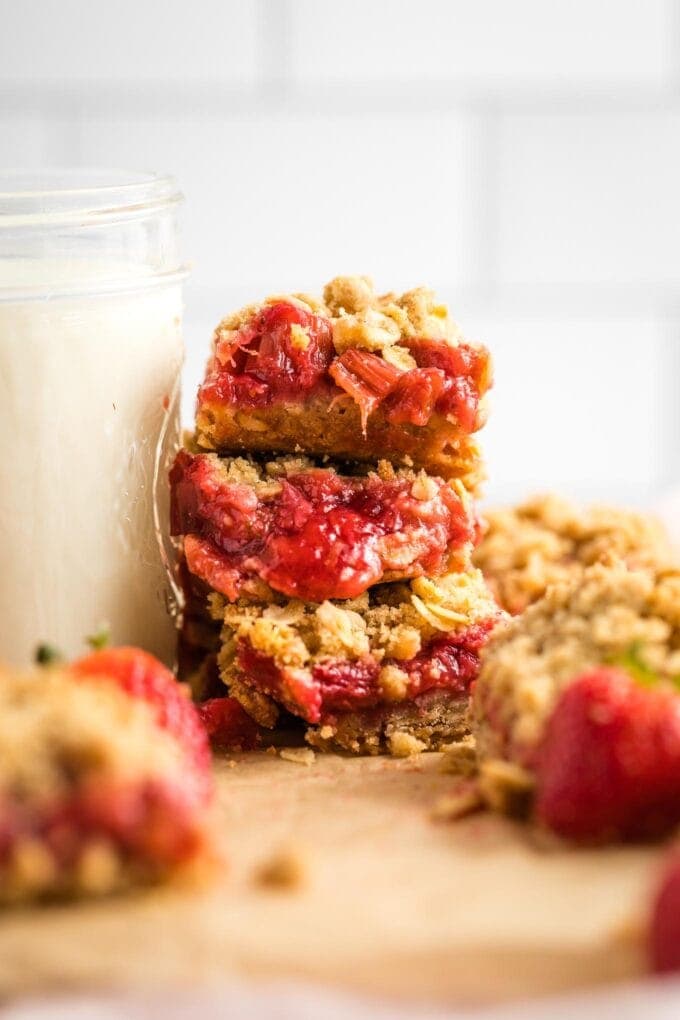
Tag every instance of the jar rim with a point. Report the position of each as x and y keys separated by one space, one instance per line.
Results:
x=60 y=195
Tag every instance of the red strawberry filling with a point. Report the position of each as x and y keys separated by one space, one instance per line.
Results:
x=322 y=536
x=227 y=724
x=263 y=362
x=286 y=354
x=153 y=824
x=332 y=685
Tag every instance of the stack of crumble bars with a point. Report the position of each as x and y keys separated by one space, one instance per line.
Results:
x=325 y=507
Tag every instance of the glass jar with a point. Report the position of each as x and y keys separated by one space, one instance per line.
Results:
x=90 y=358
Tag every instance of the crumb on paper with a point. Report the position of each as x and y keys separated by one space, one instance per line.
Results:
x=460 y=758
x=271 y=750
x=459 y=802
x=405 y=745
x=232 y=763
x=298 y=755
x=286 y=869
x=506 y=787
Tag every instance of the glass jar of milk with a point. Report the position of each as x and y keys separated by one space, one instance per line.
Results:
x=90 y=357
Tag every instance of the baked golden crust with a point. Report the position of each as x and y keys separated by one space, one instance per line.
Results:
x=426 y=724
x=336 y=430
x=596 y=617
x=547 y=540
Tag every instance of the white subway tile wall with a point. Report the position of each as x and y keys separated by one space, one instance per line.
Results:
x=274 y=200
x=80 y=41
x=521 y=157
x=23 y=140
x=491 y=41
x=606 y=188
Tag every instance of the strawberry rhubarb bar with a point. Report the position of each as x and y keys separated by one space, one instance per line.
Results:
x=355 y=375
x=577 y=700
x=104 y=779
x=547 y=539
x=389 y=670
x=253 y=527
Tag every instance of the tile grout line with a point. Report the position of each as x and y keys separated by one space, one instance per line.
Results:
x=275 y=86
x=275 y=59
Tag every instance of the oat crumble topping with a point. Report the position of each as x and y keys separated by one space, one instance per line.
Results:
x=587 y=621
x=392 y=621
x=548 y=539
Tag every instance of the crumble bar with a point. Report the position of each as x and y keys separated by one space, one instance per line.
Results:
x=356 y=375
x=608 y=614
x=357 y=670
x=253 y=527
x=95 y=796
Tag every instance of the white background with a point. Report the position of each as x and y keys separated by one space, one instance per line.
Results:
x=522 y=156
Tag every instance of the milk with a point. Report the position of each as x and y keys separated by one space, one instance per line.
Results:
x=88 y=425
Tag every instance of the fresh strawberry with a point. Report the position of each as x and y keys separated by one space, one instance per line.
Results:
x=228 y=725
x=143 y=676
x=609 y=765
x=664 y=931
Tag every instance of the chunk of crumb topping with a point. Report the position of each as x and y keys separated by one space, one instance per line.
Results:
x=349 y=294
x=393 y=683
x=463 y=800
x=341 y=631
x=298 y=755
x=460 y=758
x=286 y=870
x=405 y=745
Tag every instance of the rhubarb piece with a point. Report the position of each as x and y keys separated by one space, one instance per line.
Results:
x=366 y=378
x=326 y=662
x=251 y=528
x=357 y=376
x=609 y=615
x=547 y=540
x=95 y=795
x=609 y=766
